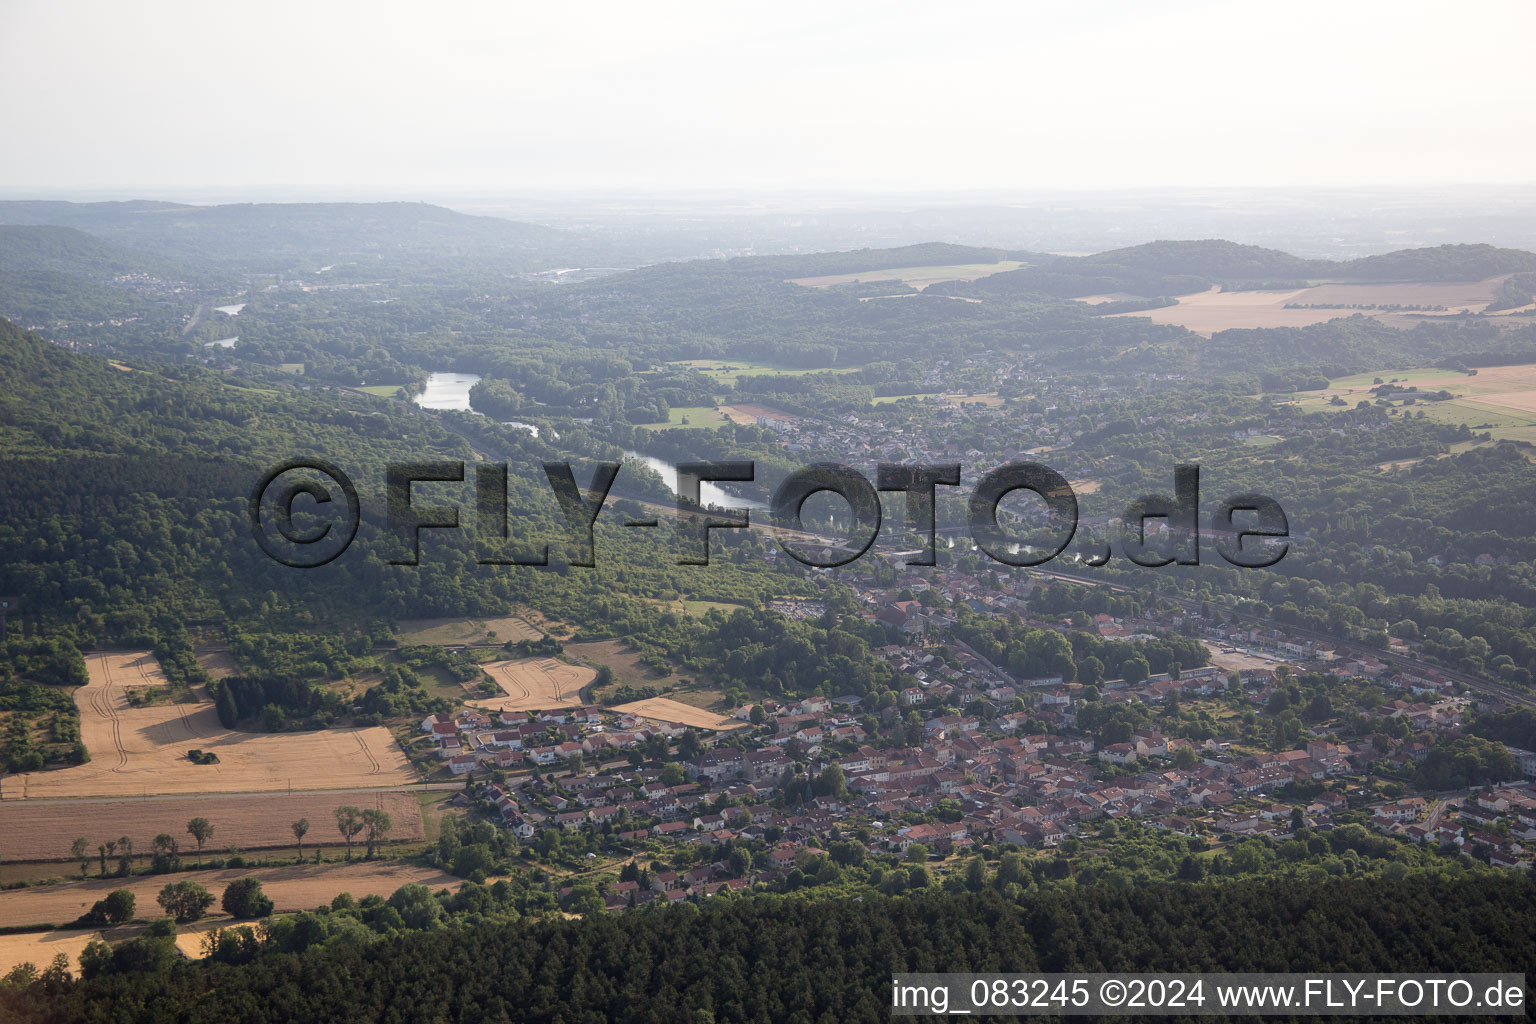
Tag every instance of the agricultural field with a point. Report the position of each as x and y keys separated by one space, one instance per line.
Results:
x=140 y=751
x=747 y=414
x=38 y=948
x=43 y=831
x=705 y=417
x=917 y=277
x=1215 y=310
x=1498 y=399
x=890 y=399
x=295 y=887
x=189 y=937
x=382 y=390
x=534 y=684
x=452 y=632
x=664 y=709
x=989 y=399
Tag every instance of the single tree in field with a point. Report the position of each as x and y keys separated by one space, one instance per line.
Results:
x=202 y=831
x=349 y=822
x=115 y=908
x=243 y=898
x=300 y=827
x=185 y=901
x=81 y=851
x=378 y=824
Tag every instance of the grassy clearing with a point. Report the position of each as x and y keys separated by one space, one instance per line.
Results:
x=701 y=696
x=726 y=371
x=506 y=629
x=702 y=417
x=434 y=805
x=1504 y=424
x=1367 y=380
x=891 y=399
x=382 y=390
x=698 y=608
x=625 y=663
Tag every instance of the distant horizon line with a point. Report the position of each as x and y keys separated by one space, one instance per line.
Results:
x=427 y=193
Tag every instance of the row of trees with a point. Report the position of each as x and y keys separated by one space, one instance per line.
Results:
x=183 y=901
x=373 y=824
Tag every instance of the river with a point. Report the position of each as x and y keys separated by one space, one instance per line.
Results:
x=448 y=390
x=709 y=494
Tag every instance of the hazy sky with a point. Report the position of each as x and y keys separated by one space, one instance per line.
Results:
x=834 y=93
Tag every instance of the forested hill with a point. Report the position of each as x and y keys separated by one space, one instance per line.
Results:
x=1440 y=263
x=1180 y=267
x=54 y=402
x=42 y=248
x=800 y=960
x=52 y=274
x=280 y=237
x=123 y=492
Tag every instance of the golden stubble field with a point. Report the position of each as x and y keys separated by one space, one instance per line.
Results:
x=663 y=709
x=1499 y=399
x=747 y=413
x=1215 y=310
x=139 y=751
x=38 y=948
x=536 y=684
x=40 y=831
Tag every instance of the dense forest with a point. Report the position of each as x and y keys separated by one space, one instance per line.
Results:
x=778 y=959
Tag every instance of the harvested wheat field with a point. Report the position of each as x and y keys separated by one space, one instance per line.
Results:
x=190 y=937
x=38 y=948
x=296 y=887
x=1215 y=310
x=36 y=830
x=137 y=751
x=534 y=684
x=663 y=709
x=748 y=413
